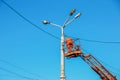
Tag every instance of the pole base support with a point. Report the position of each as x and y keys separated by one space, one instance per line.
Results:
x=62 y=78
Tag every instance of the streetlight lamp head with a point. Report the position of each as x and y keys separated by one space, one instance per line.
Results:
x=72 y=12
x=46 y=22
x=77 y=15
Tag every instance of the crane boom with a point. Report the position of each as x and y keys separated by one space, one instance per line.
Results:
x=98 y=67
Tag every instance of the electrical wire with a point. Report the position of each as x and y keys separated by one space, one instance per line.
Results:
x=96 y=41
x=6 y=75
x=24 y=70
x=19 y=14
x=90 y=53
x=26 y=19
x=16 y=74
x=9 y=76
x=99 y=41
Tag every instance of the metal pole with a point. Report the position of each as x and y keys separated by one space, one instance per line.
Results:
x=62 y=65
x=62 y=76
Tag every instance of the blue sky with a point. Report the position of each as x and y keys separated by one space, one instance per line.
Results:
x=23 y=45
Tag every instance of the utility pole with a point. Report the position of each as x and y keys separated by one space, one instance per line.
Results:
x=67 y=21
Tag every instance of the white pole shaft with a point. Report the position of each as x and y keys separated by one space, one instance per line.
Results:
x=62 y=77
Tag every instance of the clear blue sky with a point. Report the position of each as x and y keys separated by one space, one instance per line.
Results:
x=23 y=45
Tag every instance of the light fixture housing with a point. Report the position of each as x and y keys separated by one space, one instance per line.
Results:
x=79 y=14
x=72 y=12
x=45 y=22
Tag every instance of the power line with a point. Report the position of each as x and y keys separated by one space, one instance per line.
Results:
x=99 y=41
x=96 y=41
x=26 y=19
x=16 y=74
x=42 y=31
x=6 y=75
x=13 y=65
x=10 y=76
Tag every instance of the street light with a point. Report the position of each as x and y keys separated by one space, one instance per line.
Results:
x=72 y=12
x=46 y=22
x=67 y=21
x=76 y=16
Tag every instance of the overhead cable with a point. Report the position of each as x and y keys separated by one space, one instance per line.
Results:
x=26 y=19
x=24 y=70
x=99 y=41
x=96 y=41
x=16 y=74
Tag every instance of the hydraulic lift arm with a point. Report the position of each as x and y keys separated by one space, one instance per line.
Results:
x=98 y=67
x=76 y=51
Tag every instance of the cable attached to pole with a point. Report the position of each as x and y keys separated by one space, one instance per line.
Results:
x=95 y=41
x=26 y=19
